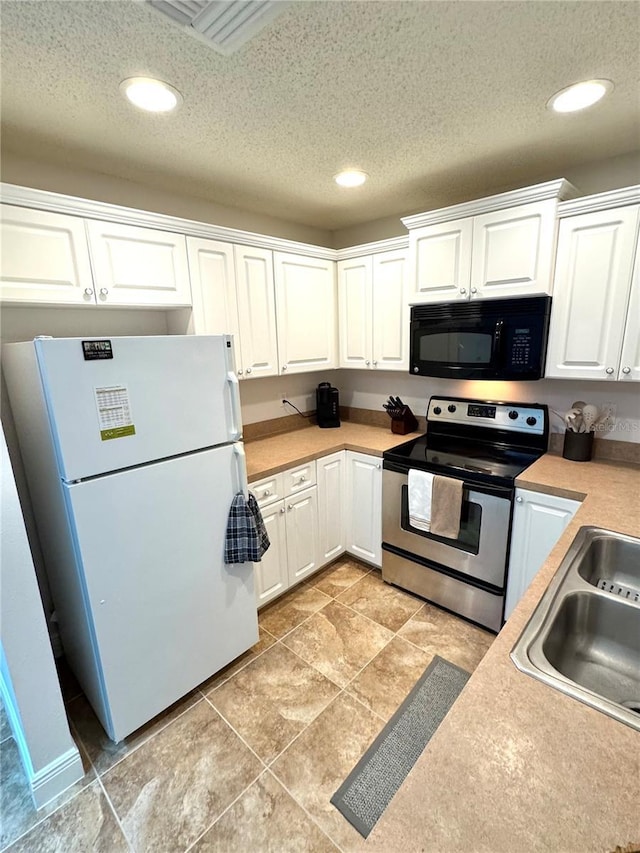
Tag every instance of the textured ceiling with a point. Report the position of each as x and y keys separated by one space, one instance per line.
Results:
x=437 y=101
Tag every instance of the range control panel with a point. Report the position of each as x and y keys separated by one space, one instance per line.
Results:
x=515 y=417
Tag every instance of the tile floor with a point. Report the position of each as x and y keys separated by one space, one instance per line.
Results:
x=250 y=760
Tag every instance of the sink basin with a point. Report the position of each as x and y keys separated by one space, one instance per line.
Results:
x=583 y=638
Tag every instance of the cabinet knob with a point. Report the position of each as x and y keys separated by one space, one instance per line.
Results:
x=474 y=290
x=378 y=466
x=463 y=290
x=290 y=507
x=240 y=372
x=248 y=370
x=367 y=362
x=104 y=291
x=519 y=500
x=302 y=479
x=88 y=291
x=609 y=370
x=283 y=509
x=626 y=370
x=284 y=366
x=375 y=363
x=266 y=493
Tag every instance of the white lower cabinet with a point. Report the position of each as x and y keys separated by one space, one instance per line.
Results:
x=364 y=507
x=271 y=573
x=331 y=506
x=538 y=522
x=301 y=520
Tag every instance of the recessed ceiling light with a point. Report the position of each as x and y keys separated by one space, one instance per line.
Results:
x=350 y=178
x=579 y=96
x=151 y=95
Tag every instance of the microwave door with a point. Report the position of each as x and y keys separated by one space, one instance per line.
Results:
x=460 y=350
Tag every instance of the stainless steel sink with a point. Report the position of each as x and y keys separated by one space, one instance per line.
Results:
x=583 y=638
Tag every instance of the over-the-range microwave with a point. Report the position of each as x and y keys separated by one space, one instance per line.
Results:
x=489 y=339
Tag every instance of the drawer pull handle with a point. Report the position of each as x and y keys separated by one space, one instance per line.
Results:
x=266 y=493
x=302 y=479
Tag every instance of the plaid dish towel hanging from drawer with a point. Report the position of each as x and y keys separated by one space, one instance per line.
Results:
x=246 y=539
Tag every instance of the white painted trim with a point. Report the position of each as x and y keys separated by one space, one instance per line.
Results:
x=389 y=245
x=558 y=189
x=56 y=777
x=601 y=201
x=89 y=209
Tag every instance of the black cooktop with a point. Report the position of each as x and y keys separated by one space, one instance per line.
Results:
x=481 y=463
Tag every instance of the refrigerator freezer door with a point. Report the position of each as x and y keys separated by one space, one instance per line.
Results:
x=166 y=611
x=154 y=397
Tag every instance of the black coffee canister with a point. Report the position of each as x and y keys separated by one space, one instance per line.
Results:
x=578 y=446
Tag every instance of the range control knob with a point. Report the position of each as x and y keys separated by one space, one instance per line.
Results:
x=437 y=410
x=531 y=421
x=451 y=408
x=513 y=415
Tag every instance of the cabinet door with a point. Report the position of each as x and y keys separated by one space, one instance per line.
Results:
x=272 y=577
x=356 y=311
x=538 y=522
x=44 y=258
x=306 y=308
x=256 y=311
x=513 y=251
x=593 y=278
x=364 y=507
x=331 y=506
x=441 y=261
x=390 y=312
x=302 y=535
x=138 y=266
x=213 y=288
x=630 y=359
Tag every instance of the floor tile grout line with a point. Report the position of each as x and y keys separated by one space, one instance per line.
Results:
x=236 y=733
x=142 y=743
x=115 y=814
x=304 y=809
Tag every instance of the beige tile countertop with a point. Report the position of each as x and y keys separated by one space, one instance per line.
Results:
x=268 y=456
x=517 y=765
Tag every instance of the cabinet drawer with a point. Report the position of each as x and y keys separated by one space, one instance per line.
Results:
x=269 y=490
x=297 y=479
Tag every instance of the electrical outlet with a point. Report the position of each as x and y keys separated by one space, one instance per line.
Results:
x=285 y=396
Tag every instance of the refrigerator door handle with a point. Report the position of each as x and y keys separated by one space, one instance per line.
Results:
x=241 y=461
x=236 y=426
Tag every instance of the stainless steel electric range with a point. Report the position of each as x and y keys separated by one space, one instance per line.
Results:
x=486 y=445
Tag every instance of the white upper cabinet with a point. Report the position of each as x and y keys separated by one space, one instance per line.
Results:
x=355 y=299
x=441 y=257
x=138 y=266
x=306 y=310
x=44 y=258
x=374 y=312
x=213 y=287
x=593 y=280
x=390 y=311
x=513 y=251
x=500 y=246
x=256 y=312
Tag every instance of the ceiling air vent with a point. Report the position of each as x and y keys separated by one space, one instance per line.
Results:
x=225 y=25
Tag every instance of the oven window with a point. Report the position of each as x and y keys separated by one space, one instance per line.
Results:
x=470 y=518
x=456 y=347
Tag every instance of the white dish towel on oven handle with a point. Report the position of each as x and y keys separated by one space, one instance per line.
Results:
x=420 y=494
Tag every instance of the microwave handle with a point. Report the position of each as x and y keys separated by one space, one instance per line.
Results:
x=497 y=338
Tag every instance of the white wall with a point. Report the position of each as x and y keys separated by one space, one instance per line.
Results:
x=262 y=398
x=35 y=707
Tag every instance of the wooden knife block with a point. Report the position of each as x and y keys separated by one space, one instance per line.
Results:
x=405 y=423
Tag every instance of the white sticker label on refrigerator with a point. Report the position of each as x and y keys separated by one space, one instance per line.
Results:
x=114 y=412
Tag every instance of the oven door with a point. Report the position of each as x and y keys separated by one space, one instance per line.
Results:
x=479 y=552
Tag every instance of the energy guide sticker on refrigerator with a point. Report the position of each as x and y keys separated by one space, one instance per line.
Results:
x=133 y=454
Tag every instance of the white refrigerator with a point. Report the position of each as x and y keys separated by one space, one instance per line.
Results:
x=132 y=452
